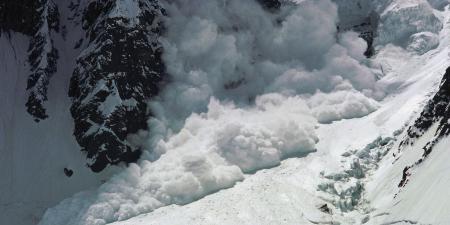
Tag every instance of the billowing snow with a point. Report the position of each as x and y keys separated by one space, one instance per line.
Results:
x=210 y=153
x=235 y=50
x=239 y=101
x=288 y=194
x=340 y=105
x=255 y=119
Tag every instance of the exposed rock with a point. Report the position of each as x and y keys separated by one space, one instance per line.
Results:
x=38 y=19
x=360 y=17
x=19 y=16
x=436 y=111
x=68 y=172
x=270 y=4
x=43 y=58
x=324 y=208
x=119 y=71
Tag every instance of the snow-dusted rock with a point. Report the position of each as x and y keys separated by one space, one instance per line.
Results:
x=39 y=20
x=116 y=74
x=43 y=57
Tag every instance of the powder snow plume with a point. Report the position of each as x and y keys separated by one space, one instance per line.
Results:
x=248 y=87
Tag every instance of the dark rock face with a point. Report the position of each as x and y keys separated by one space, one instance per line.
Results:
x=437 y=111
x=367 y=31
x=43 y=58
x=270 y=4
x=119 y=70
x=19 y=16
x=324 y=208
x=115 y=75
x=38 y=19
x=68 y=172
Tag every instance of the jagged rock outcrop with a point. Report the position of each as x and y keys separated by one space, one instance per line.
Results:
x=37 y=19
x=437 y=111
x=367 y=31
x=117 y=73
x=359 y=16
x=43 y=58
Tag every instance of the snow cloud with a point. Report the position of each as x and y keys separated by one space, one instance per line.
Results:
x=343 y=104
x=247 y=89
x=211 y=152
x=235 y=50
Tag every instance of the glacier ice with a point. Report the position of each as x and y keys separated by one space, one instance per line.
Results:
x=400 y=19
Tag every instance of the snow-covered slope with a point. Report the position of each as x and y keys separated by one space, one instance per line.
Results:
x=32 y=155
x=289 y=194
x=236 y=112
x=40 y=160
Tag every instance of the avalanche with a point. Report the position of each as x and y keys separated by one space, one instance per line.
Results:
x=291 y=193
x=259 y=112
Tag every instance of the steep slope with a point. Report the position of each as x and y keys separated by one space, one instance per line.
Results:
x=223 y=143
x=40 y=42
x=226 y=111
x=42 y=58
x=34 y=155
x=290 y=193
x=119 y=70
x=45 y=44
x=410 y=185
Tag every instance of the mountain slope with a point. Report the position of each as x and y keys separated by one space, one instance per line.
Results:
x=119 y=70
x=289 y=194
x=223 y=112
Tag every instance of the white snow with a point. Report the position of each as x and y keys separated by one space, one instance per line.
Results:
x=255 y=153
x=341 y=105
x=425 y=199
x=287 y=194
x=128 y=10
x=210 y=144
x=423 y=42
x=210 y=153
x=399 y=19
x=234 y=50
